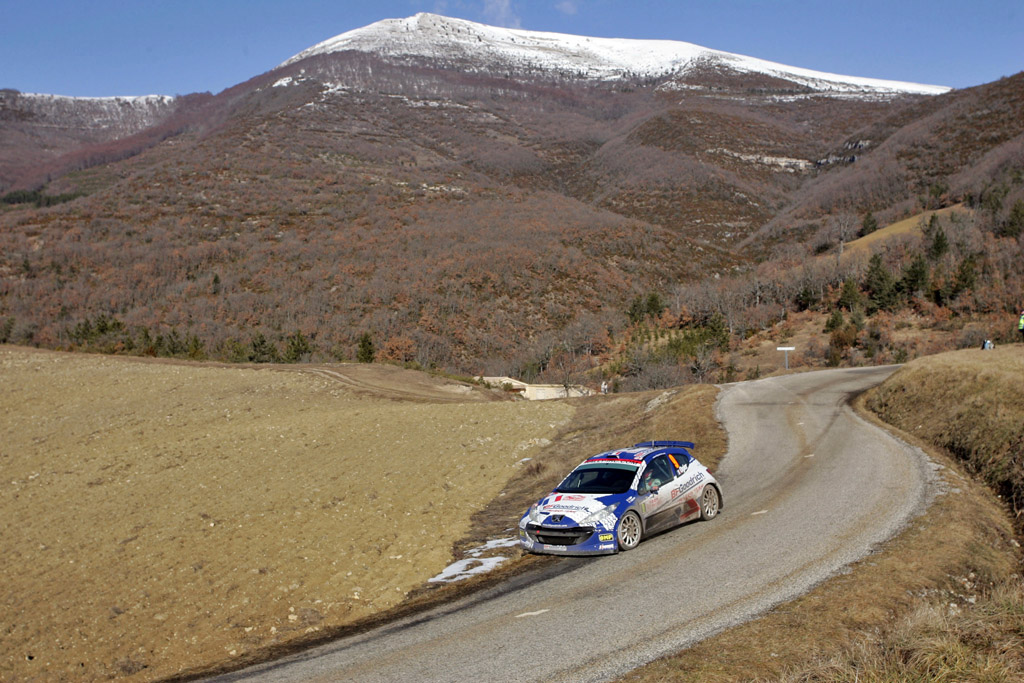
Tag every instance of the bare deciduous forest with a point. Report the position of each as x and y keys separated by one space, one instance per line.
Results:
x=538 y=227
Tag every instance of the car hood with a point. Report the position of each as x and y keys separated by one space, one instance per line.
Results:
x=574 y=507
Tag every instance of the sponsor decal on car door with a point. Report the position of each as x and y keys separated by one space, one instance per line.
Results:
x=661 y=504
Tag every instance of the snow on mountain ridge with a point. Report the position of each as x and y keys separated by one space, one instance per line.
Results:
x=437 y=37
x=127 y=114
x=110 y=99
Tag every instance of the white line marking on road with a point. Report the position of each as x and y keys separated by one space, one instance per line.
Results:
x=760 y=512
x=531 y=614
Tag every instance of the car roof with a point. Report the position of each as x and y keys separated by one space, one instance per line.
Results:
x=643 y=451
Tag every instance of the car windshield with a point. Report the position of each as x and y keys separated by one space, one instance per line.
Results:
x=599 y=478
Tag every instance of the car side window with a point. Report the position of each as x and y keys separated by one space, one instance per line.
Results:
x=662 y=470
x=684 y=462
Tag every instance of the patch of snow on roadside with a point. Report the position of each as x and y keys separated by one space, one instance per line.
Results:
x=463 y=569
x=475 y=564
x=494 y=545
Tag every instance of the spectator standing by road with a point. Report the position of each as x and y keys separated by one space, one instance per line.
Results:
x=1020 y=326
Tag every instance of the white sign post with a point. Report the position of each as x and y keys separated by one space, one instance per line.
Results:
x=787 y=349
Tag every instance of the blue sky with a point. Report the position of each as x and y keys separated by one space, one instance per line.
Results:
x=169 y=47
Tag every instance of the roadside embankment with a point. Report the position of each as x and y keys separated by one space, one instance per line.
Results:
x=943 y=600
x=971 y=404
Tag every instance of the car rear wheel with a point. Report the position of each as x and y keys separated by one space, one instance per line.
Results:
x=709 y=503
x=630 y=531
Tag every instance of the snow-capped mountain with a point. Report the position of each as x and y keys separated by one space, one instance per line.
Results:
x=446 y=40
x=126 y=115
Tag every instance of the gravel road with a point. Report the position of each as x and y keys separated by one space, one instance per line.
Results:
x=809 y=488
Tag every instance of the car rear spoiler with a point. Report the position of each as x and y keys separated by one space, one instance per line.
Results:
x=666 y=444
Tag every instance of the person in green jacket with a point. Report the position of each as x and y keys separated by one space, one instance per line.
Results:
x=1020 y=326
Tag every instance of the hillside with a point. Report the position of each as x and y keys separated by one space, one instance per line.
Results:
x=484 y=220
x=970 y=403
x=168 y=517
x=44 y=136
x=965 y=146
x=165 y=516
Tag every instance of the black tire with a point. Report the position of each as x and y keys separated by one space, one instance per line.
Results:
x=630 y=530
x=709 y=503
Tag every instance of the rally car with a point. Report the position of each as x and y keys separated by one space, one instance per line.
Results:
x=613 y=499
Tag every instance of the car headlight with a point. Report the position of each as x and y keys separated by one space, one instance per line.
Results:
x=605 y=517
x=533 y=514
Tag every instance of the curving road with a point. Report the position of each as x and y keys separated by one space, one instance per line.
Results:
x=809 y=488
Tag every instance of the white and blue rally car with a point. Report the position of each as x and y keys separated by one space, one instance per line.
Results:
x=612 y=500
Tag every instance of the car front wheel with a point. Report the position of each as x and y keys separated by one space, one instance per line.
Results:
x=709 y=503
x=630 y=531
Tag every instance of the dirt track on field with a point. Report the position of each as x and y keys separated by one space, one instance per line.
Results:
x=157 y=516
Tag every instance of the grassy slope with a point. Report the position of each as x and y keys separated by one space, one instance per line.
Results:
x=158 y=517
x=970 y=403
x=165 y=519
x=906 y=226
x=943 y=601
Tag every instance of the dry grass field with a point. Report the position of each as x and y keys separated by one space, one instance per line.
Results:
x=906 y=226
x=159 y=517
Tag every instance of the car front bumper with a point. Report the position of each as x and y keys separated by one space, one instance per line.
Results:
x=547 y=540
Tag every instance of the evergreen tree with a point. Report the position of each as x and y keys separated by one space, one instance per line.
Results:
x=857 y=319
x=195 y=347
x=966 y=275
x=641 y=308
x=807 y=298
x=868 y=225
x=146 y=343
x=654 y=305
x=718 y=332
x=1014 y=224
x=7 y=330
x=637 y=310
x=298 y=348
x=939 y=244
x=835 y=321
x=261 y=350
x=850 y=297
x=366 y=352
x=941 y=286
x=880 y=286
x=915 y=277
x=234 y=351
x=174 y=345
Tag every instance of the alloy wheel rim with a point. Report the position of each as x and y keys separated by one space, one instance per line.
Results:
x=630 y=530
x=710 y=502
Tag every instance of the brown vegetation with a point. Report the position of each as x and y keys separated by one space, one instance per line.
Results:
x=490 y=223
x=167 y=518
x=944 y=600
x=163 y=516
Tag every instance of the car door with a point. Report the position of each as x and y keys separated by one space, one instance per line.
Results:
x=685 y=487
x=656 y=488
